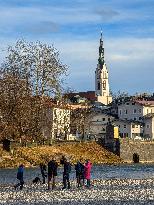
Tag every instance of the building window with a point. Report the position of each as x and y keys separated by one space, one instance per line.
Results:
x=135 y=118
x=125 y=126
x=127 y=103
x=148 y=126
x=104 y=85
x=134 y=111
x=120 y=112
x=125 y=112
x=103 y=119
x=109 y=119
x=133 y=126
x=133 y=103
x=119 y=126
x=140 y=111
x=98 y=86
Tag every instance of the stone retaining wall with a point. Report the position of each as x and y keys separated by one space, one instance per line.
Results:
x=145 y=150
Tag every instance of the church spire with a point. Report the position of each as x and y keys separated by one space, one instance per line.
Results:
x=101 y=52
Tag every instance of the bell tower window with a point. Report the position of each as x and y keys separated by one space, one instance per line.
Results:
x=98 y=86
x=104 y=85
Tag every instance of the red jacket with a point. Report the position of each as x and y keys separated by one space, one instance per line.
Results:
x=87 y=169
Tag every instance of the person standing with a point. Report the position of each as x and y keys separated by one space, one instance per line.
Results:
x=66 y=174
x=79 y=167
x=87 y=171
x=52 y=172
x=20 y=177
x=43 y=171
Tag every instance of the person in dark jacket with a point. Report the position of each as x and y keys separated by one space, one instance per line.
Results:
x=20 y=177
x=79 y=167
x=52 y=172
x=43 y=171
x=66 y=174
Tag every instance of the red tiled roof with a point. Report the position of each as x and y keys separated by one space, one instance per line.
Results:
x=145 y=102
x=90 y=95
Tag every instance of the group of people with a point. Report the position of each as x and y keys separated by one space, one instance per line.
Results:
x=83 y=172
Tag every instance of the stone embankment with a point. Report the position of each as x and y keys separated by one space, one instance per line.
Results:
x=74 y=151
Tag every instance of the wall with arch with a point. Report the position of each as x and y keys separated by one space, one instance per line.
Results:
x=131 y=148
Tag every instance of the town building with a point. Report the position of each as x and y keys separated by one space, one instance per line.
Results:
x=129 y=128
x=56 y=122
x=135 y=110
x=102 y=90
x=95 y=126
x=149 y=126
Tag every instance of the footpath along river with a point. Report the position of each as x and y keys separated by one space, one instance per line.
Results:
x=120 y=184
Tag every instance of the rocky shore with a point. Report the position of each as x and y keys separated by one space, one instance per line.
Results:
x=33 y=156
x=112 y=191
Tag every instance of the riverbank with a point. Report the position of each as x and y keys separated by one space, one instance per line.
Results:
x=34 y=156
x=112 y=191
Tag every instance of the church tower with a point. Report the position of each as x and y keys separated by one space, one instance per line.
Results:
x=102 y=91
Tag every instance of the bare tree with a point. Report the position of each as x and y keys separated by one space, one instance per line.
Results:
x=78 y=119
x=31 y=73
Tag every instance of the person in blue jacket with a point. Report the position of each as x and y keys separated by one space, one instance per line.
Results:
x=20 y=177
x=79 y=167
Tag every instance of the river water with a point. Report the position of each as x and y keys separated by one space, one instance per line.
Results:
x=114 y=185
x=125 y=171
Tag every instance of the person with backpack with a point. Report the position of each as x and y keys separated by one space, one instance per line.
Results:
x=66 y=173
x=52 y=172
x=20 y=177
x=79 y=167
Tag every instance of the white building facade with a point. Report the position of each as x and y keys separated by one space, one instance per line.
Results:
x=96 y=125
x=135 y=110
x=57 y=123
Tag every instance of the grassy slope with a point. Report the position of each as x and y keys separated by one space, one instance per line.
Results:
x=33 y=156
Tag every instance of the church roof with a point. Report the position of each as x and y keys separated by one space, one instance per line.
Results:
x=89 y=95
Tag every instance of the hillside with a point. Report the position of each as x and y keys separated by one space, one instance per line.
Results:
x=33 y=156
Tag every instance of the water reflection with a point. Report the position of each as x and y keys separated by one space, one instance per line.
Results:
x=134 y=171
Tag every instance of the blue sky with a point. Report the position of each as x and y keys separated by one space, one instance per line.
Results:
x=73 y=27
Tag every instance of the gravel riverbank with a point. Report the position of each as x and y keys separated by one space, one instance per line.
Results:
x=112 y=191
